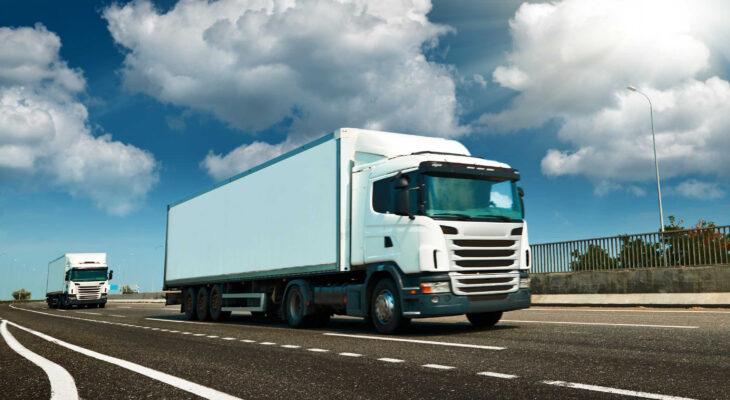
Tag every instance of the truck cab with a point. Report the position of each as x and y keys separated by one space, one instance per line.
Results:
x=80 y=279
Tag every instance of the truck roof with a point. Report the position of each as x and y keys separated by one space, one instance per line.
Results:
x=81 y=259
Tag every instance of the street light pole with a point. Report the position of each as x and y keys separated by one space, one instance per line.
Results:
x=656 y=162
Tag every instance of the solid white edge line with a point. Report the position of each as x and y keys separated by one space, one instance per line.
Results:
x=497 y=375
x=63 y=385
x=471 y=346
x=437 y=366
x=174 y=381
x=601 y=324
x=614 y=391
x=613 y=310
x=390 y=360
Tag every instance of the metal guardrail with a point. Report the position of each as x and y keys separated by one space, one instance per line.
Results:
x=682 y=248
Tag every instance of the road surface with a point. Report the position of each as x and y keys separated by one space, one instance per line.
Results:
x=148 y=351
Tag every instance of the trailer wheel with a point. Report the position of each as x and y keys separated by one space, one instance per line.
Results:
x=484 y=320
x=385 y=312
x=216 y=304
x=189 y=304
x=203 y=303
x=294 y=307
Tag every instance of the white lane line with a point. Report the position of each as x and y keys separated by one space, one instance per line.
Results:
x=614 y=391
x=228 y=338
x=124 y=307
x=437 y=366
x=187 y=333
x=390 y=360
x=600 y=324
x=117 y=315
x=649 y=311
x=212 y=336
x=267 y=343
x=174 y=331
x=87 y=312
x=497 y=375
x=471 y=346
x=174 y=381
x=180 y=321
x=346 y=354
x=198 y=334
x=62 y=383
x=316 y=350
x=155 y=329
x=290 y=346
x=248 y=341
x=62 y=310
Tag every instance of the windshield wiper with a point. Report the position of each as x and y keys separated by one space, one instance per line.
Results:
x=457 y=215
x=497 y=218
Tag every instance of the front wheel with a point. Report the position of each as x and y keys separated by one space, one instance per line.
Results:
x=385 y=311
x=484 y=320
x=102 y=305
x=294 y=308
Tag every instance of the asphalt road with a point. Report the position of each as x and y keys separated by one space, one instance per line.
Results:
x=148 y=351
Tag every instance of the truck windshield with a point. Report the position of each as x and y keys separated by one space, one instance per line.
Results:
x=81 y=275
x=477 y=199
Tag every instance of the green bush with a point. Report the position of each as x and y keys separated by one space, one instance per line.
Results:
x=21 y=294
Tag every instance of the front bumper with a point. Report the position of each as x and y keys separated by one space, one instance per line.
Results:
x=77 y=302
x=421 y=306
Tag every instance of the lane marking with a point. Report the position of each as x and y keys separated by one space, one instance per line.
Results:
x=228 y=338
x=62 y=310
x=187 y=333
x=651 y=311
x=88 y=312
x=290 y=346
x=350 y=354
x=600 y=324
x=267 y=343
x=171 y=380
x=437 y=366
x=124 y=307
x=63 y=385
x=392 y=339
x=117 y=315
x=212 y=336
x=198 y=334
x=180 y=321
x=174 y=331
x=390 y=360
x=614 y=391
x=248 y=341
x=316 y=350
x=497 y=375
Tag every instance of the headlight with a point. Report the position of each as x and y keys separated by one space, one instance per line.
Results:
x=524 y=283
x=435 y=287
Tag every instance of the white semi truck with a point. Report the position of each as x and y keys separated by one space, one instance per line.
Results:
x=380 y=225
x=79 y=279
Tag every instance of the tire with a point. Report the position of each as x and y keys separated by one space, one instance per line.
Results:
x=385 y=311
x=190 y=304
x=101 y=305
x=203 y=304
x=216 y=303
x=62 y=304
x=294 y=308
x=484 y=320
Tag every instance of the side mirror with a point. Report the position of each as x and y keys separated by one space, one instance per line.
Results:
x=111 y=273
x=522 y=203
x=520 y=191
x=403 y=203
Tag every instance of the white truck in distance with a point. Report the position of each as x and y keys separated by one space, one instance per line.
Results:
x=79 y=279
x=380 y=225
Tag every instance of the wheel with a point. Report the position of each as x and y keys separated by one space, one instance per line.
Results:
x=203 y=304
x=385 y=312
x=216 y=304
x=484 y=320
x=190 y=304
x=63 y=304
x=101 y=305
x=294 y=308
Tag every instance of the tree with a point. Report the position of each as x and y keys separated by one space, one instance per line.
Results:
x=593 y=258
x=700 y=244
x=21 y=294
x=126 y=289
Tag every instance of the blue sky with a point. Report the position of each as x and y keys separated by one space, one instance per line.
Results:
x=188 y=99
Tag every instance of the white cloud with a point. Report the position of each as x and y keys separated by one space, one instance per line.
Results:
x=572 y=60
x=242 y=158
x=316 y=65
x=693 y=188
x=44 y=131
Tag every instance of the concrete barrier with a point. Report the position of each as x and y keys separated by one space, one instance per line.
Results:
x=150 y=297
x=712 y=279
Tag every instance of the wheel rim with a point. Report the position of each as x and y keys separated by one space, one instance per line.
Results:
x=201 y=304
x=214 y=302
x=189 y=304
x=384 y=307
x=295 y=303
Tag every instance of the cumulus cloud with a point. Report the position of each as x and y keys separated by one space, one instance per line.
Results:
x=311 y=65
x=44 y=130
x=242 y=158
x=572 y=60
x=693 y=188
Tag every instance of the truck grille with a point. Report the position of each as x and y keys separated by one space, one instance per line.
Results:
x=88 y=292
x=484 y=266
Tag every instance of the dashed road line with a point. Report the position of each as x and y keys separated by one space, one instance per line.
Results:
x=88 y=312
x=117 y=315
x=391 y=360
x=614 y=390
x=63 y=385
x=228 y=338
x=629 y=310
x=346 y=354
x=172 y=380
x=247 y=341
x=392 y=339
x=267 y=343
x=497 y=375
x=198 y=334
x=316 y=350
x=438 y=366
x=600 y=324
x=290 y=346
x=212 y=336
